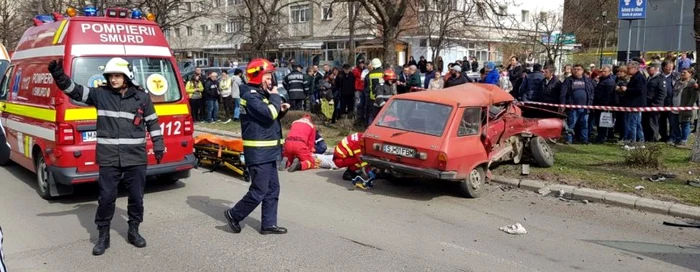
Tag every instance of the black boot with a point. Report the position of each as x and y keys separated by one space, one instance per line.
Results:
x=295 y=166
x=273 y=230
x=102 y=242
x=349 y=174
x=133 y=236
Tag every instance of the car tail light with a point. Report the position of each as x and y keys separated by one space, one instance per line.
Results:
x=65 y=134
x=442 y=160
x=189 y=127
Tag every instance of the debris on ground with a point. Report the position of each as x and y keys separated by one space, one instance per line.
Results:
x=561 y=193
x=584 y=201
x=506 y=188
x=661 y=177
x=639 y=187
x=516 y=229
x=683 y=225
x=525 y=169
x=544 y=191
x=694 y=183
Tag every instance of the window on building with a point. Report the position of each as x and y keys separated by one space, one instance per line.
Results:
x=189 y=31
x=234 y=26
x=502 y=9
x=188 y=5
x=235 y=2
x=177 y=32
x=203 y=29
x=300 y=13
x=327 y=13
x=218 y=28
x=423 y=43
x=543 y=16
x=525 y=15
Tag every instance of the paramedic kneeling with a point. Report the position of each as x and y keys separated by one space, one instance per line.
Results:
x=347 y=154
x=261 y=110
x=299 y=146
x=124 y=113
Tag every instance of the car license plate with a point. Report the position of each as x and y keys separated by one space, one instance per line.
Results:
x=401 y=151
x=89 y=136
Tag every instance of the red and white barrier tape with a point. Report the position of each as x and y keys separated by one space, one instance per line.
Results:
x=614 y=108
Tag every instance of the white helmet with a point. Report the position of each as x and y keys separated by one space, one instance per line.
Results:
x=119 y=66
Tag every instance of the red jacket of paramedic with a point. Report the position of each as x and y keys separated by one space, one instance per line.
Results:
x=304 y=130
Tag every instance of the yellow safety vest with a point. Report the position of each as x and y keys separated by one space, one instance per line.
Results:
x=375 y=78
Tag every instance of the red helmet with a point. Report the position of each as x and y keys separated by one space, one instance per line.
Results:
x=256 y=69
x=389 y=74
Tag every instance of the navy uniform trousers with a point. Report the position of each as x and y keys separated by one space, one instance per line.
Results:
x=265 y=189
x=135 y=179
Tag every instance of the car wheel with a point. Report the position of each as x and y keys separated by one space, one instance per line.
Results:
x=473 y=185
x=541 y=152
x=44 y=178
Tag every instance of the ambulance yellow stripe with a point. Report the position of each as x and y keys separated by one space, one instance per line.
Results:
x=91 y=113
x=43 y=114
x=59 y=31
x=26 y=146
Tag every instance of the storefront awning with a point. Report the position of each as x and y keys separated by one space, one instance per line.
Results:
x=301 y=45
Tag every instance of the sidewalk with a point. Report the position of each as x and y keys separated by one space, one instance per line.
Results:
x=572 y=192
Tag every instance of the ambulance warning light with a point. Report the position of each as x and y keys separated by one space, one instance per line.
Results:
x=136 y=14
x=151 y=17
x=90 y=11
x=71 y=12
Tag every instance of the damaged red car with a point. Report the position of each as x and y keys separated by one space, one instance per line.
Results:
x=457 y=134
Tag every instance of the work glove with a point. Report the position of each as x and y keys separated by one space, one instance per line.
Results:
x=59 y=76
x=159 y=156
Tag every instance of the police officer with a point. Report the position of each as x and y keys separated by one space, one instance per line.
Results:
x=261 y=110
x=296 y=85
x=124 y=113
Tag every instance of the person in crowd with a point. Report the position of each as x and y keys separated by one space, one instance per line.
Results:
x=295 y=83
x=310 y=91
x=466 y=65
x=530 y=62
x=327 y=101
x=577 y=90
x=413 y=78
x=474 y=65
x=503 y=80
x=603 y=96
x=456 y=77
x=566 y=72
x=345 y=83
x=515 y=72
x=236 y=83
x=429 y=75
x=634 y=95
x=532 y=85
x=436 y=83
x=299 y=146
x=482 y=75
x=551 y=87
x=404 y=77
x=357 y=72
x=411 y=61
x=439 y=64
x=385 y=90
x=212 y=95
x=422 y=65
x=372 y=79
x=225 y=85
x=684 y=62
x=194 y=88
x=622 y=78
x=655 y=97
x=316 y=76
x=492 y=74
x=685 y=94
x=671 y=77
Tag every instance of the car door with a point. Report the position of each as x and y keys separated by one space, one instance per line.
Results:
x=4 y=92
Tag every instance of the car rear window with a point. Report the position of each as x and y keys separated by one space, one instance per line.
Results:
x=416 y=116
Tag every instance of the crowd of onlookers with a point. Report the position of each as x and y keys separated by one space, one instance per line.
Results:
x=360 y=90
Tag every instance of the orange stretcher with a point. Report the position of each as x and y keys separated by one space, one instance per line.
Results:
x=216 y=151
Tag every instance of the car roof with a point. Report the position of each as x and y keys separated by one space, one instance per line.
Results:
x=469 y=94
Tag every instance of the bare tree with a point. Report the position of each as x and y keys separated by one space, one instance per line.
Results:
x=548 y=34
x=10 y=20
x=389 y=16
x=448 y=22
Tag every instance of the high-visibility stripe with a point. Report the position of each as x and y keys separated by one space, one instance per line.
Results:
x=357 y=151
x=319 y=140
x=27 y=144
x=46 y=51
x=59 y=33
x=80 y=114
x=264 y=143
x=156 y=133
x=40 y=113
x=33 y=130
x=344 y=143
x=273 y=111
x=243 y=102
x=340 y=152
x=116 y=114
x=151 y=117
x=120 y=49
x=121 y=141
x=147 y=50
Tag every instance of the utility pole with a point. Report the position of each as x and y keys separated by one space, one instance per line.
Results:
x=602 y=33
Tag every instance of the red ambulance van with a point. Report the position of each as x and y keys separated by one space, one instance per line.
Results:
x=53 y=135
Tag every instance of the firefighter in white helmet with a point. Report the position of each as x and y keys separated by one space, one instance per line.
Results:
x=124 y=114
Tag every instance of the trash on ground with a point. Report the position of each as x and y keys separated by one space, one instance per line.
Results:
x=506 y=188
x=639 y=187
x=661 y=177
x=561 y=193
x=525 y=169
x=516 y=229
x=694 y=183
x=544 y=191
x=630 y=148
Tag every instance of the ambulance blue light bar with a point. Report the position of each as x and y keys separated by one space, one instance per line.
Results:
x=90 y=11
x=41 y=19
x=136 y=14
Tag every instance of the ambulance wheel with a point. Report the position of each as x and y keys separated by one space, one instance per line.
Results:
x=473 y=185
x=44 y=178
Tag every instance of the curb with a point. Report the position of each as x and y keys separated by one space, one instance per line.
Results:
x=611 y=198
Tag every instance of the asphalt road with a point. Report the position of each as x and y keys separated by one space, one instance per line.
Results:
x=418 y=226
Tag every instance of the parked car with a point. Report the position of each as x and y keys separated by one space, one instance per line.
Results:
x=457 y=134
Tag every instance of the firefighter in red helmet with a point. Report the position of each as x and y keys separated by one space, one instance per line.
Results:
x=261 y=110
x=299 y=146
x=384 y=90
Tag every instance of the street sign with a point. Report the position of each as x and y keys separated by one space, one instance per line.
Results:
x=559 y=38
x=632 y=10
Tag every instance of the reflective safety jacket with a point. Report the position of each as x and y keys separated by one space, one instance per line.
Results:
x=350 y=147
x=374 y=78
x=260 y=125
x=122 y=122
x=302 y=131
